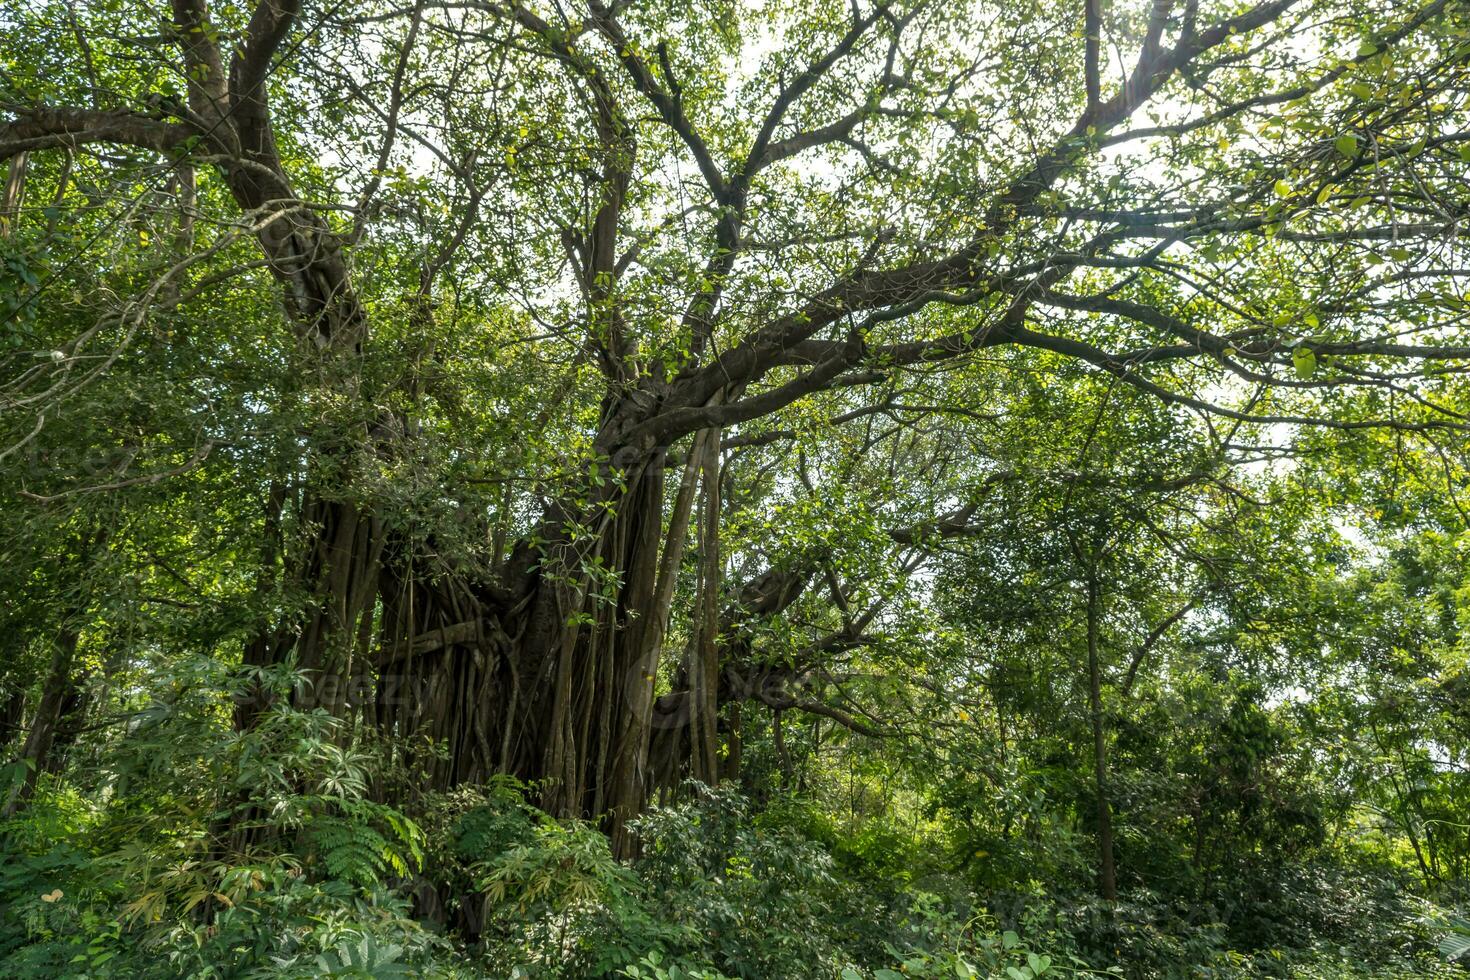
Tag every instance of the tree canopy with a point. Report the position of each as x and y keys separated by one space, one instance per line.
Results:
x=734 y=488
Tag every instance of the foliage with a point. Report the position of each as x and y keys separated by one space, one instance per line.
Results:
x=813 y=489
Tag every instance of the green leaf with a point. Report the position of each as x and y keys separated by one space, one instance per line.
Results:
x=1346 y=145
x=1455 y=945
x=1304 y=361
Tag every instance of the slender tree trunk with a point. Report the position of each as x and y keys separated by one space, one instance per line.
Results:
x=783 y=755
x=12 y=715
x=35 y=752
x=261 y=649
x=1108 y=879
x=730 y=769
x=704 y=655
x=13 y=194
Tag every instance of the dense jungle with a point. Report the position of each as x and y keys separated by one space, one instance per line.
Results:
x=712 y=489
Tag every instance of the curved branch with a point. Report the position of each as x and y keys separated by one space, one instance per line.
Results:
x=670 y=107
x=759 y=150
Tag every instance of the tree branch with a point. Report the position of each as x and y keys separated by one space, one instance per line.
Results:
x=49 y=127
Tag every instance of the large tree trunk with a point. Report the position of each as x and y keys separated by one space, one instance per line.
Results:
x=334 y=558
x=549 y=674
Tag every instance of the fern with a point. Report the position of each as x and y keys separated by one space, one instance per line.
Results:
x=365 y=843
x=350 y=851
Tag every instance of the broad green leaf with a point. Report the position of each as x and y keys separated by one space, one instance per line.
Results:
x=1304 y=362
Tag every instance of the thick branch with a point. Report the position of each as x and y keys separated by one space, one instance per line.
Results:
x=47 y=127
x=208 y=95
